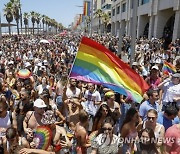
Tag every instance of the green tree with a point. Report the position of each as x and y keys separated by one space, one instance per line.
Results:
x=43 y=21
x=106 y=21
x=15 y=10
x=38 y=19
x=8 y=13
x=99 y=14
x=33 y=19
x=26 y=20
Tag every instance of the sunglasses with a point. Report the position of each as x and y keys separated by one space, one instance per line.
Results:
x=149 y=118
x=109 y=129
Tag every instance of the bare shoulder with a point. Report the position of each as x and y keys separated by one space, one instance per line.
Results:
x=29 y=113
x=60 y=130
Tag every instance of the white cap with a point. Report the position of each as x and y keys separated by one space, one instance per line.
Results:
x=11 y=62
x=134 y=63
x=39 y=103
x=27 y=64
x=155 y=67
x=45 y=62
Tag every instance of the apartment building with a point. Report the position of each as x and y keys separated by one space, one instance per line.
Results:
x=155 y=18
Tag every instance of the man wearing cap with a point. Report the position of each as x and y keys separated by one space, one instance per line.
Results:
x=171 y=90
x=154 y=80
x=10 y=69
x=33 y=118
x=60 y=140
x=114 y=108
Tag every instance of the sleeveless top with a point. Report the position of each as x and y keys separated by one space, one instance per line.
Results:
x=5 y=122
x=156 y=133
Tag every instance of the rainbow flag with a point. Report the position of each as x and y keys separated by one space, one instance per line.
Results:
x=87 y=7
x=96 y=64
x=168 y=68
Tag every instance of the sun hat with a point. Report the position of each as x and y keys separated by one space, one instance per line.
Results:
x=48 y=118
x=39 y=103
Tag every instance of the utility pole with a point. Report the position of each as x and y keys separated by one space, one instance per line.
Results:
x=134 y=28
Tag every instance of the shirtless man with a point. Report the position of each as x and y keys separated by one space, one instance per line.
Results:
x=81 y=134
x=33 y=118
x=59 y=137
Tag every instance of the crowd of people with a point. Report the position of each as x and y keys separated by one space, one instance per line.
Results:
x=84 y=118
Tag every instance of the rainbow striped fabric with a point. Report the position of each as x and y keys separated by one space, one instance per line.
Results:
x=87 y=7
x=96 y=64
x=168 y=68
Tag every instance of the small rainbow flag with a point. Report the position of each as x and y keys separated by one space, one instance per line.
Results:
x=96 y=64
x=87 y=8
x=168 y=68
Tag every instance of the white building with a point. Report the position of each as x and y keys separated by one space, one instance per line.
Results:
x=156 y=18
x=105 y=6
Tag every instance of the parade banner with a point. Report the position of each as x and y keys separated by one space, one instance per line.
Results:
x=96 y=64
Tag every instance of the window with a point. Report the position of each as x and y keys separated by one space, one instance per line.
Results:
x=108 y=6
x=145 y=1
x=124 y=7
x=118 y=10
x=113 y=12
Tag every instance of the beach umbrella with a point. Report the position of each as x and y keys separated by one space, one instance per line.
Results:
x=24 y=73
x=44 y=41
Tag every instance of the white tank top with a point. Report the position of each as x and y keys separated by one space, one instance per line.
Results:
x=5 y=122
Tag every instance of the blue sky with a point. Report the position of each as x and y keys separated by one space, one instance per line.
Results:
x=62 y=11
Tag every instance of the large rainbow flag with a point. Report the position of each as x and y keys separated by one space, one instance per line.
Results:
x=87 y=7
x=96 y=64
x=168 y=68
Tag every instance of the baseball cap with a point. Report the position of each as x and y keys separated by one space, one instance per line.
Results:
x=45 y=62
x=11 y=62
x=155 y=67
x=27 y=64
x=39 y=103
x=134 y=63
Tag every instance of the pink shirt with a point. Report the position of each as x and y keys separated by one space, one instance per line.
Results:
x=173 y=133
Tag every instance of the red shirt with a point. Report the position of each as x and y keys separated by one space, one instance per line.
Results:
x=173 y=133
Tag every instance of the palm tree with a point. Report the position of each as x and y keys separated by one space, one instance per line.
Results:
x=16 y=8
x=9 y=15
x=38 y=19
x=60 y=27
x=43 y=21
x=26 y=18
x=47 y=22
x=33 y=19
x=98 y=14
x=106 y=21
x=88 y=21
